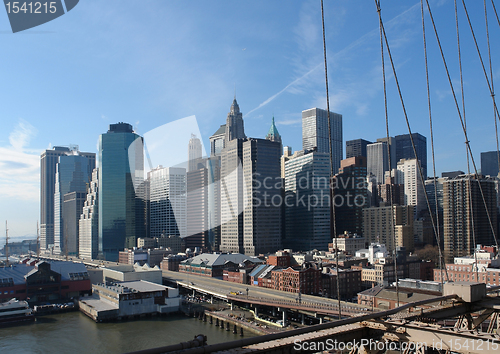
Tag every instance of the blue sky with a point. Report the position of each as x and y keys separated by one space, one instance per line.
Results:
x=153 y=62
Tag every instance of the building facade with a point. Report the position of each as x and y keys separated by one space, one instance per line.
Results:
x=167 y=204
x=315 y=134
x=355 y=148
x=468 y=220
x=121 y=178
x=307 y=201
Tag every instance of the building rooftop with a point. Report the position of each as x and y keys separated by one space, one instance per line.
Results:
x=217 y=259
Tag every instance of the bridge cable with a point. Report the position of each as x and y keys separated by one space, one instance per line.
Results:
x=469 y=183
x=393 y=234
x=332 y=204
x=491 y=76
x=460 y=116
x=438 y=234
x=407 y=121
x=465 y=127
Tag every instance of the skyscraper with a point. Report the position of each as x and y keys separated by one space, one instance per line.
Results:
x=404 y=149
x=307 y=201
x=89 y=222
x=351 y=195
x=194 y=153
x=232 y=197
x=377 y=160
x=273 y=133
x=262 y=175
x=197 y=207
x=465 y=215
x=489 y=163
x=167 y=204
x=315 y=133
x=414 y=190
x=217 y=141
x=121 y=178
x=234 y=123
x=73 y=173
x=48 y=162
x=355 y=148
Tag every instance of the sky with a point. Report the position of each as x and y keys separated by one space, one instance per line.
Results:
x=153 y=62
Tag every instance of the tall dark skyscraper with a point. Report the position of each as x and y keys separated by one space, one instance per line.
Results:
x=356 y=148
x=262 y=175
x=351 y=195
x=315 y=133
x=404 y=149
x=121 y=178
x=48 y=163
x=489 y=163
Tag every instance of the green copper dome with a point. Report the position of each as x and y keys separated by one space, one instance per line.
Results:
x=273 y=134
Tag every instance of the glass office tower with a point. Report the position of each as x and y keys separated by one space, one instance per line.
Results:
x=121 y=180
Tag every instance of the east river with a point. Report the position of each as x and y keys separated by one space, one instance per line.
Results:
x=73 y=332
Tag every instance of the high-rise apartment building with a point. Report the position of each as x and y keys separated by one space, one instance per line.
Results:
x=194 y=153
x=377 y=160
x=466 y=221
x=377 y=226
x=414 y=191
x=356 y=148
x=121 y=199
x=315 y=134
x=48 y=163
x=73 y=173
x=167 y=202
x=307 y=201
x=351 y=195
x=489 y=163
x=89 y=222
x=262 y=175
x=404 y=149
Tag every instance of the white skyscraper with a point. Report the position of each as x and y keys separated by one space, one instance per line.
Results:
x=377 y=161
x=315 y=133
x=408 y=175
x=89 y=230
x=167 y=201
x=194 y=153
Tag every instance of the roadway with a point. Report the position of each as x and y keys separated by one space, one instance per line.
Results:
x=224 y=288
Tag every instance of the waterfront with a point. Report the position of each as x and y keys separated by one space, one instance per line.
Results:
x=73 y=332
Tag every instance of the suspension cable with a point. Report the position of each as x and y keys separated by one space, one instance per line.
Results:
x=332 y=204
x=461 y=119
x=491 y=78
x=469 y=183
x=393 y=234
x=496 y=14
x=438 y=235
x=407 y=121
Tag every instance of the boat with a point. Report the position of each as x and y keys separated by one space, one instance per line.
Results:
x=15 y=311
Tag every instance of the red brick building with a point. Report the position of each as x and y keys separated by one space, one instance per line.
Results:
x=305 y=281
x=280 y=259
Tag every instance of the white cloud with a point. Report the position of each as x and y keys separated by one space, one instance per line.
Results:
x=19 y=165
x=22 y=134
x=290 y=121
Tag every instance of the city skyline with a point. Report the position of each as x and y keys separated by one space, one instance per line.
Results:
x=276 y=70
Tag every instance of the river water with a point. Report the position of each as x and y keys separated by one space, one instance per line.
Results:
x=74 y=333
